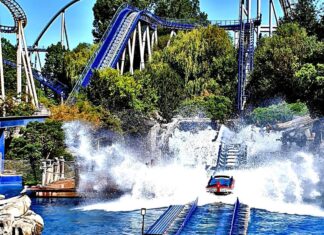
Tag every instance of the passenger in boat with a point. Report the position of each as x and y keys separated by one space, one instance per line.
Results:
x=231 y=181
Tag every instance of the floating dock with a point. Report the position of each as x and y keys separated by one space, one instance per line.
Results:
x=62 y=188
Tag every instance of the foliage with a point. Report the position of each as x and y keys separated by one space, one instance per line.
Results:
x=306 y=14
x=180 y=9
x=39 y=141
x=273 y=114
x=198 y=63
x=309 y=81
x=54 y=66
x=77 y=59
x=10 y=107
x=104 y=11
x=84 y=111
x=212 y=106
x=117 y=92
x=277 y=59
x=9 y=53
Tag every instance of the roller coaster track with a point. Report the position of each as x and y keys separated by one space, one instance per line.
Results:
x=115 y=40
x=17 y=13
x=286 y=6
x=51 y=21
x=56 y=86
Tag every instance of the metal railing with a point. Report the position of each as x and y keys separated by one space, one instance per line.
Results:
x=188 y=216
x=235 y=216
x=23 y=167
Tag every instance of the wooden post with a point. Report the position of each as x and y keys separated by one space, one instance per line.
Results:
x=62 y=167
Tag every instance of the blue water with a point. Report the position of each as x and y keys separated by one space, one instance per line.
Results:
x=264 y=222
x=62 y=216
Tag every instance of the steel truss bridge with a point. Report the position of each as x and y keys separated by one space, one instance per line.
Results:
x=131 y=26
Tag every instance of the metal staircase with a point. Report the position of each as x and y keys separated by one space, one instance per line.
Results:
x=231 y=156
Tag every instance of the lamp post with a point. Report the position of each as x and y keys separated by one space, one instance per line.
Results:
x=143 y=212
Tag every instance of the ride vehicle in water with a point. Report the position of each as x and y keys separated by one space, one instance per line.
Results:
x=220 y=184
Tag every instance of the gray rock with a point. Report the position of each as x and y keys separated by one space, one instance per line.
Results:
x=17 y=218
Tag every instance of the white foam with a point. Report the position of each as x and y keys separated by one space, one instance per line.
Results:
x=287 y=186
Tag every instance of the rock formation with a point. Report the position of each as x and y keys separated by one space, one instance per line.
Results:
x=17 y=218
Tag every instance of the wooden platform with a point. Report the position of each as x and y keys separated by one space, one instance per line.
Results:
x=62 y=188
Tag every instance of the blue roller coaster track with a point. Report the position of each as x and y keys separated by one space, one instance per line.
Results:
x=56 y=86
x=115 y=40
x=124 y=22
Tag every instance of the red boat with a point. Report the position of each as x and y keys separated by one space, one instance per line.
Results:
x=220 y=184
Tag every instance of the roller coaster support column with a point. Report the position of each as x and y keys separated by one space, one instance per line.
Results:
x=1 y=73
x=270 y=18
x=142 y=65
x=19 y=56
x=64 y=36
x=173 y=33
x=23 y=56
x=142 y=48
x=258 y=17
x=149 y=43
x=131 y=50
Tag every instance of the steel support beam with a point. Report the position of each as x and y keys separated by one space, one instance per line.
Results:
x=3 y=96
x=19 y=56
x=270 y=18
x=31 y=78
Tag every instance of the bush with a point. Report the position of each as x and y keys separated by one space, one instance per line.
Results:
x=277 y=113
x=212 y=106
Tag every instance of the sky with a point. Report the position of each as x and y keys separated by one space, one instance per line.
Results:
x=79 y=18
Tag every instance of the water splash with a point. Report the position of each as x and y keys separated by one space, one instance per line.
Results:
x=289 y=184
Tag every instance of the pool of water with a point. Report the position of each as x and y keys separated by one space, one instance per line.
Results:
x=66 y=216
x=62 y=216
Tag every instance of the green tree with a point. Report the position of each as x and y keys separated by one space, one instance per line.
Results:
x=104 y=11
x=169 y=86
x=117 y=92
x=309 y=80
x=304 y=13
x=12 y=108
x=180 y=9
x=38 y=141
x=54 y=66
x=273 y=114
x=309 y=15
x=77 y=59
x=9 y=53
x=277 y=59
x=212 y=106
x=198 y=63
